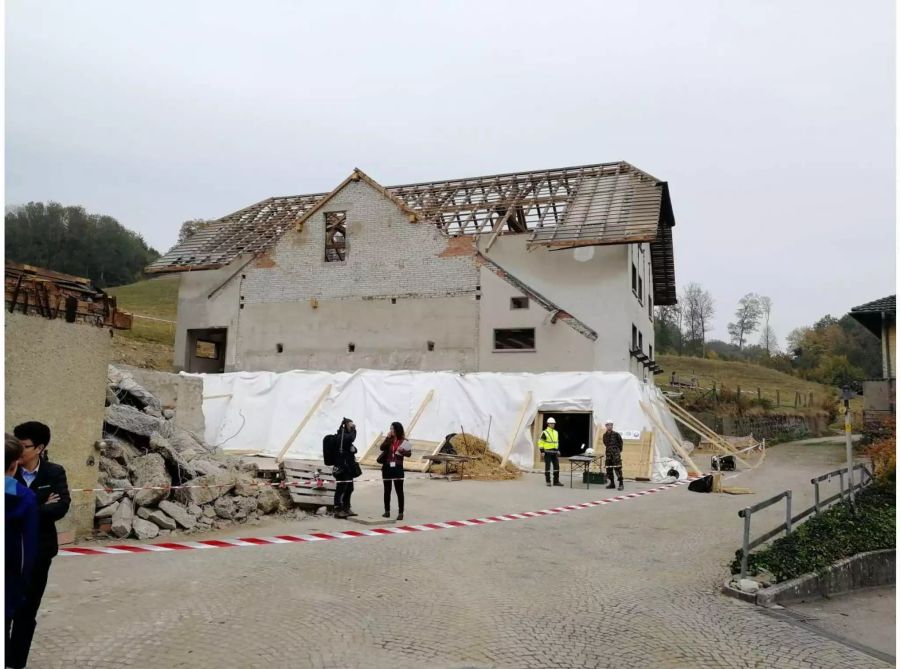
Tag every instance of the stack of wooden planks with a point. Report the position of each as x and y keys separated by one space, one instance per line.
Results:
x=310 y=482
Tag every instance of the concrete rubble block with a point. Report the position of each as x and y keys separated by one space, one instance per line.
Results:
x=168 y=414
x=104 y=498
x=107 y=511
x=113 y=468
x=149 y=470
x=209 y=511
x=118 y=449
x=178 y=513
x=165 y=533
x=219 y=485
x=322 y=511
x=195 y=510
x=204 y=467
x=122 y=519
x=285 y=501
x=161 y=445
x=128 y=419
x=153 y=411
x=247 y=486
x=111 y=397
x=269 y=501
x=157 y=517
x=144 y=529
x=124 y=382
x=184 y=441
x=235 y=508
x=250 y=467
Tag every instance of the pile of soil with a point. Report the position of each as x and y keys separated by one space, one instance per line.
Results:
x=487 y=467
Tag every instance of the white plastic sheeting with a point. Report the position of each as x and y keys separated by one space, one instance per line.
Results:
x=260 y=411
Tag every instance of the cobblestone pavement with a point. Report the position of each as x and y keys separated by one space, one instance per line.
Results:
x=633 y=584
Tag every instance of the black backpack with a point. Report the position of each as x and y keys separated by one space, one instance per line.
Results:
x=330 y=449
x=703 y=484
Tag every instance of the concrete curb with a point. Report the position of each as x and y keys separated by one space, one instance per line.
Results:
x=864 y=570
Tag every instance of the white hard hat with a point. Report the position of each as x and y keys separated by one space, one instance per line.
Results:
x=589 y=451
x=551 y=420
x=609 y=421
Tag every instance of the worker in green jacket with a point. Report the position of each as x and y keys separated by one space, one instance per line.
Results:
x=549 y=445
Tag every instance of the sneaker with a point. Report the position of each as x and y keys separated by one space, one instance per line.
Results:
x=340 y=514
x=351 y=512
x=386 y=514
x=559 y=484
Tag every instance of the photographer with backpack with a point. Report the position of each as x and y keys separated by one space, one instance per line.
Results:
x=339 y=451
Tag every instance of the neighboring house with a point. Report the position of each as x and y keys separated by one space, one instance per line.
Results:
x=880 y=318
x=553 y=270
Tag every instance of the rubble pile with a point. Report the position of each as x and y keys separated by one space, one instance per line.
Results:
x=143 y=447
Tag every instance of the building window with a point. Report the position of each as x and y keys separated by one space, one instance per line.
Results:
x=336 y=246
x=650 y=307
x=430 y=345
x=633 y=278
x=640 y=293
x=351 y=347
x=633 y=337
x=650 y=348
x=279 y=348
x=207 y=349
x=514 y=339
x=641 y=341
x=518 y=303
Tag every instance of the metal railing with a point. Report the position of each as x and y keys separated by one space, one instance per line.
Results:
x=789 y=521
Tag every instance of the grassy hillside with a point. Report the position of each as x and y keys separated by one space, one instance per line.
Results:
x=150 y=343
x=772 y=384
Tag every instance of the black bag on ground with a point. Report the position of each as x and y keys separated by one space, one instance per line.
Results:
x=703 y=484
x=723 y=463
x=330 y=446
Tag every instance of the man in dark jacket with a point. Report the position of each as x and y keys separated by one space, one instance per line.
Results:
x=20 y=534
x=613 y=442
x=48 y=483
x=345 y=469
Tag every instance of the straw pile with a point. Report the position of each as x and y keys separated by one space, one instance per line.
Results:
x=487 y=468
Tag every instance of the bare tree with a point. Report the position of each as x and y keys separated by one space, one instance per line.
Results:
x=699 y=309
x=746 y=319
x=767 y=340
x=191 y=228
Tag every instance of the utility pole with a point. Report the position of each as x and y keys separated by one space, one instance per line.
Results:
x=846 y=395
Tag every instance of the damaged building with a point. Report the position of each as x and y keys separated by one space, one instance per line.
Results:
x=550 y=270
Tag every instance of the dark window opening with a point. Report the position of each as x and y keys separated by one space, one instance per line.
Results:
x=650 y=307
x=431 y=346
x=514 y=339
x=633 y=337
x=393 y=300
x=574 y=430
x=633 y=278
x=351 y=348
x=641 y=341
x=206 y=351
x=336 y=245
x=640 y=292
x=650 y=348
x=279 y=348
x=518 y=303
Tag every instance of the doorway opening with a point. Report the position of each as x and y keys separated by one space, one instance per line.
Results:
x=206 y=350
x=575 y=428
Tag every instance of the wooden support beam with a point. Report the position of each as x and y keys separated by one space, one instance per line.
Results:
x=676 y=444
x=515 y=434
x=309 y=414
x=412 y=424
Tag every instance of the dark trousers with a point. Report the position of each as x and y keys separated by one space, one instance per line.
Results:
x=18 y=641
x=611 y=474
x=398 y=486
x=551 y=459
x=342 y=492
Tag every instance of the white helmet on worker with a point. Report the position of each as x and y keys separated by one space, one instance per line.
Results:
x=609 y=421
x=551 y=421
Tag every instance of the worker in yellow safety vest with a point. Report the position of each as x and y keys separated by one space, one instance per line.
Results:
x=549 y=445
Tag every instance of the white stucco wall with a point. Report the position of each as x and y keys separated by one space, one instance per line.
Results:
x=558 y=348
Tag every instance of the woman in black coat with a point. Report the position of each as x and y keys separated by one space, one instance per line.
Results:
x=393 y=449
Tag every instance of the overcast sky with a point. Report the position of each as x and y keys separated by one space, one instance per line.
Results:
x=772 y=121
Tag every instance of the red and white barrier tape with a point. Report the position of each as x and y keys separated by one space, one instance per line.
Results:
x=125 y=549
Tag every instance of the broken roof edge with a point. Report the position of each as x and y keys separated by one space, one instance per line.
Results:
x=356 y=175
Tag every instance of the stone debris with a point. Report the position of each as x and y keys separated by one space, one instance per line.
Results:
x=122 y=519
x=143 y=447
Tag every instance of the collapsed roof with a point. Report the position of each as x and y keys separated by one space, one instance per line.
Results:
x=591 y=205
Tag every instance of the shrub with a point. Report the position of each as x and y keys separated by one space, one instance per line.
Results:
x=833 y=535
x=884 y=458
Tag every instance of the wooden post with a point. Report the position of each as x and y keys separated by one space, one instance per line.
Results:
x=796 y=400
x=309 y=414
x=739 y=393
x=810 y=400
x=778 y=398
x=758 y=394
x=512 y=439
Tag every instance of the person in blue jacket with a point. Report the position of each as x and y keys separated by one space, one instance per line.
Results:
x=21 y=532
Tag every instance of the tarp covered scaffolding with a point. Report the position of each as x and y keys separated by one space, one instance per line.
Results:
x=286 y=414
